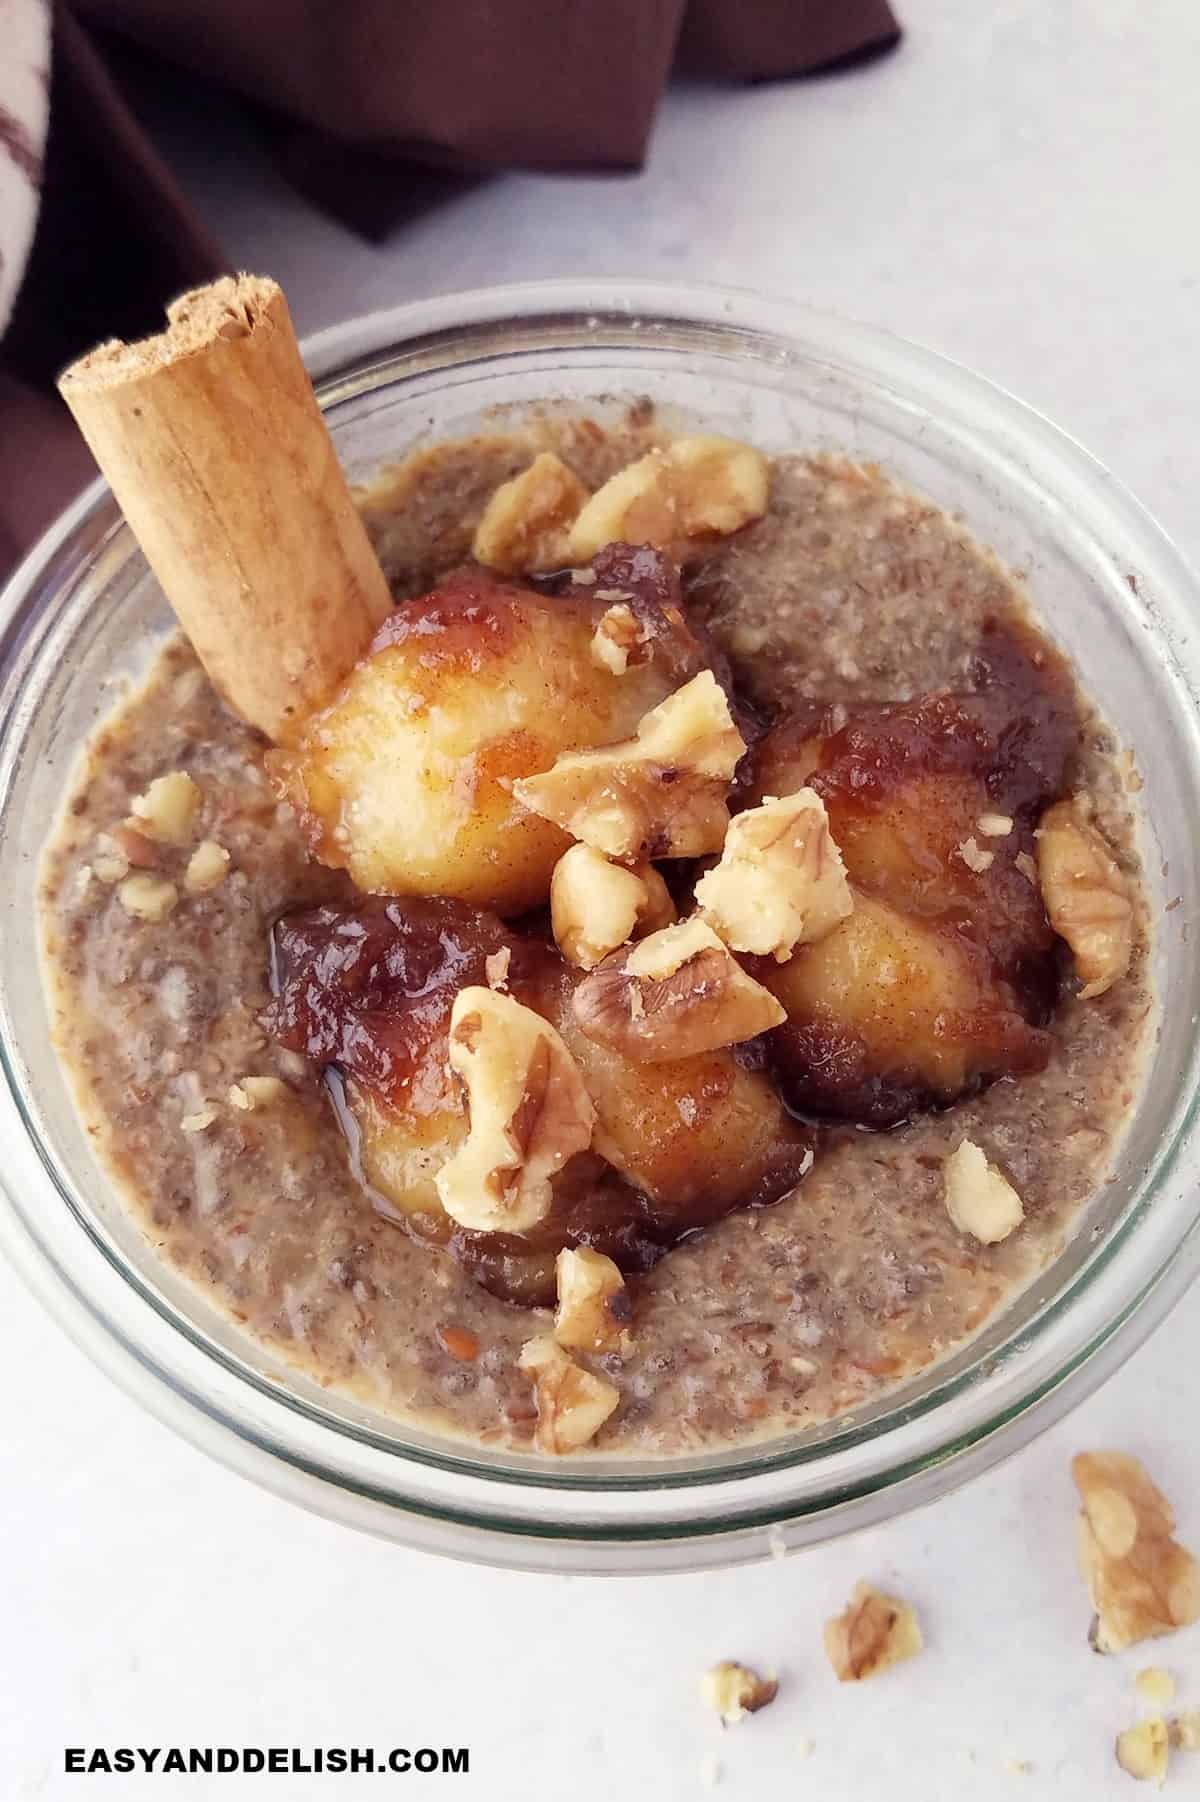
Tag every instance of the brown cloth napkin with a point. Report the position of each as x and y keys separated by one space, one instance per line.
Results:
x=376 y=107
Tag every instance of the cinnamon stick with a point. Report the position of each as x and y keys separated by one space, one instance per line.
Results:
x=212 y=441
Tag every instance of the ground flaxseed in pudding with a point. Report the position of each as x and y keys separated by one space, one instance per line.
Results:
x=852 y=618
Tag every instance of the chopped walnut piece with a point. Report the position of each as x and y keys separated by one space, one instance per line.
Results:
x=1184 y=1730
x=198 y=1120
x=593 y=1302
x=721 y=484
x=147 y=897
x=661 y=793
x=676 y=994
x=1086 y=896
x=495 y=967
x=1144 y=1751
x=257 y=1091
x=528 y=1109
x=1155 y=1685
x=525 y=524
x=994 y=825
x=1027 y=867
x=168 y=807
x=873 y=1632
x=975 y=858
x=572 y=1403
x=619 y=640
x=1141 y=1580
x=733 y=1691
x=980 y=1200
x=207 y=867
x=597 y=905
x=109 y=862
x=700 y=487
x=780 y=882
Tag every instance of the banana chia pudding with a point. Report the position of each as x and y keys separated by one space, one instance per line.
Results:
x=685 y=978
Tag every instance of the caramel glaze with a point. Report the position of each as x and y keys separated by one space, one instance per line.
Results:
x=905 y=786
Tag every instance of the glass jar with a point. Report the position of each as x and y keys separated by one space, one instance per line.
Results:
x=82 y=615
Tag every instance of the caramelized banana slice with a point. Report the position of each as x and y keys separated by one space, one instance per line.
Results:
x=368 y=991
x=406 y=779
x=905 y=789
x=887 y=1014
x=933 y=802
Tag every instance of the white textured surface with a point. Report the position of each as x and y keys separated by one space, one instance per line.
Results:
x=1019 y=188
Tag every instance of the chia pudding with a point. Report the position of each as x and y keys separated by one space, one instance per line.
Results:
x=798 y=1279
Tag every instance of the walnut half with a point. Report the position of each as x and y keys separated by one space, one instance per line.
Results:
x=1087 y=898
x=1141 y=1580
x=528 y=1109
x=661 y=793
x=872 y=1632
x=781 y=881
x=572 y=1403
x=678 y=993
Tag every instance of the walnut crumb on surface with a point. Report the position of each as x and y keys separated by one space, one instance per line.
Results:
x=872 y=1632
x=207 y=867
x=1184 y=1730
x=975 y=858
x=256 y=1091
x=168 y=807
x=1142 y=1582
x=1143 y=1751
x=733 y=1691
x=980 y=1200
x=994 y=825
x=199 y=1120
x=495 y=967
x=109 y=862
x=618 y=639
x=1155 y=1685
x=149 y=898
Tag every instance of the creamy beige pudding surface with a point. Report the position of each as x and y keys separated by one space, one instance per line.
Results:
x=847 y=593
